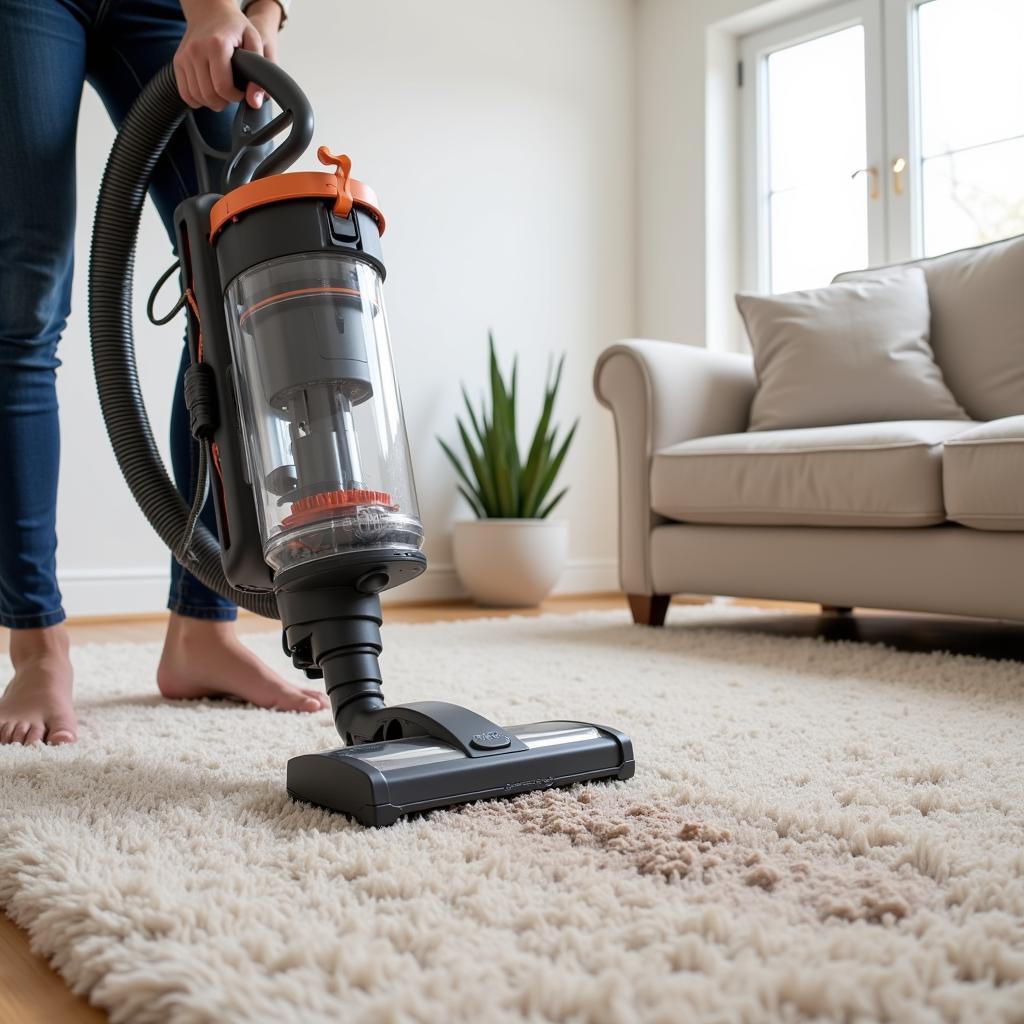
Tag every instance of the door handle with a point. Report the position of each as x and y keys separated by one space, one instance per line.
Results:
x=899 y=168
x=873 y=189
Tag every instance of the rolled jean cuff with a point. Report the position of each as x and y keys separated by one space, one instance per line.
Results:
x=38 y=621
x=191 y=611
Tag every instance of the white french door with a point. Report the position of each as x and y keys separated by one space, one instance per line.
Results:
x=877 y=131
x=813 y=130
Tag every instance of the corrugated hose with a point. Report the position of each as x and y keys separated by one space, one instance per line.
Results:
x=144 y=135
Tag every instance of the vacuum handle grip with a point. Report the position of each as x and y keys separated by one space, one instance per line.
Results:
x=252 y=130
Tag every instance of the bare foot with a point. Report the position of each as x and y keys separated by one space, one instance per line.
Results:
x=203 y=658
x=37 y=703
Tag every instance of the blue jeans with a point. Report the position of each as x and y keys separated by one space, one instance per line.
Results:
x=48 y=50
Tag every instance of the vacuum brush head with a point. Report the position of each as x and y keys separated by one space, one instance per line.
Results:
x=377 y=783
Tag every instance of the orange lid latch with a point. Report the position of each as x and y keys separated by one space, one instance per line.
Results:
x=343 y=204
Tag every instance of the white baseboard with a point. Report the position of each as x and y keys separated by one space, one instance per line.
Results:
x=589 y=576
x=441 y=583
x=92 y=592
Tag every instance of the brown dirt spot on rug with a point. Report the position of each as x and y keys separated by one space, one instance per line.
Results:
x=660 y=838
x=650 y=836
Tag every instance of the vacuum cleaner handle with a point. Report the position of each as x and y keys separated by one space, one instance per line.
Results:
x=253 y=129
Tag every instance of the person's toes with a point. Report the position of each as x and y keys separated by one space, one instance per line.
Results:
x=34 y=735
x=306 y=703
x=318 y=695
x=289 y=698
x=60 y=732
x=20 y=731
x=6 y=728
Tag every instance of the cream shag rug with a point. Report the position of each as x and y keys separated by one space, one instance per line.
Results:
x=816 y=831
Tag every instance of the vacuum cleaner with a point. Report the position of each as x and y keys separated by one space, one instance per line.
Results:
x=294 y=404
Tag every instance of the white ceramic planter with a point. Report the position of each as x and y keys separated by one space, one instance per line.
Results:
x=510 y=563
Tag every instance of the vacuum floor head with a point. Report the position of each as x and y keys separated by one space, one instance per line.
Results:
x=377 y=783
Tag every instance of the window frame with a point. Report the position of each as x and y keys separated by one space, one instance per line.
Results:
x=755 y=270
x=902 y=99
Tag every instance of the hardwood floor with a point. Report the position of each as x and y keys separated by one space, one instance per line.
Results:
x=32 y=993
x=147 y=628
x=984 y=638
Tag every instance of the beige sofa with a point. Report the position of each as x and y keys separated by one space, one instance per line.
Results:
x=913 y=515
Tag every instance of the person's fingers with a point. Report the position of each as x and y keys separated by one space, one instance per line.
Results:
x=193 y=86
x=221 y=76
x=185 y=87
x=204 y=85
x=254 y=94
x=253 y=41
x=181 y=81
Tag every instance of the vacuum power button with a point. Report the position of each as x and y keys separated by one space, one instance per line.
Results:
x=493 y=740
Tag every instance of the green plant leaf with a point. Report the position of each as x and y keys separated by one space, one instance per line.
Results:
x=513 y=441
x=481 y=471
x=460 y=469
x=530 y=499
x=549 y=507
x=489 y=471
x=512 y=402
x=472 y=416
x=493 y=477
x=501 y=442
x=474 y=502
x=540 y=446
x=492 y=468
x=555 y=464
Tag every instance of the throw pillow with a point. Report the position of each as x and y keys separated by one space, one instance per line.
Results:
x=853 y=352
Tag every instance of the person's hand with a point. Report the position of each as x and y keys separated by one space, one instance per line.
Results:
x=216 y=28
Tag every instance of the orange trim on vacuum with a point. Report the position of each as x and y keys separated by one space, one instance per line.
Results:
x=257 y=306
x=279 y=188
x=194 y=306
x=315 y=507
x=218 y=469
x=343 y=204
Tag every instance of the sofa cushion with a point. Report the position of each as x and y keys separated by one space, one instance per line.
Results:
x=855 y=352
x=983 y=475
x=864 y=474
x=977 y=331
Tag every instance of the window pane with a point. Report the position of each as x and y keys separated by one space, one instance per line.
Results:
x=816 y=233
x=816 y=115
x=816 y=140
x=973 y=196
x=972 y=72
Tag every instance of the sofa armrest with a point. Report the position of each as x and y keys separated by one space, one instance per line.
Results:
x=661 y=393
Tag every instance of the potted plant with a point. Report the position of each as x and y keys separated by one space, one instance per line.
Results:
x=513 y=552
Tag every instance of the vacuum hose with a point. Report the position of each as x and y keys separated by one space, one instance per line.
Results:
x=146 y=131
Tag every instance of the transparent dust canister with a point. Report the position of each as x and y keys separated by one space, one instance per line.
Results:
x=325 y=439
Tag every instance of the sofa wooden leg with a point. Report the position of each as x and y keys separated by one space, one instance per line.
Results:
x=649 y=609
x=836 y=609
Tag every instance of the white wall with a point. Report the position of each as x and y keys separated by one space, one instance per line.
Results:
x=500 y=139
x=687 y=135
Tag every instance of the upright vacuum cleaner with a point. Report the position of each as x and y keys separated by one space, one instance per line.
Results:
x=295 y=407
